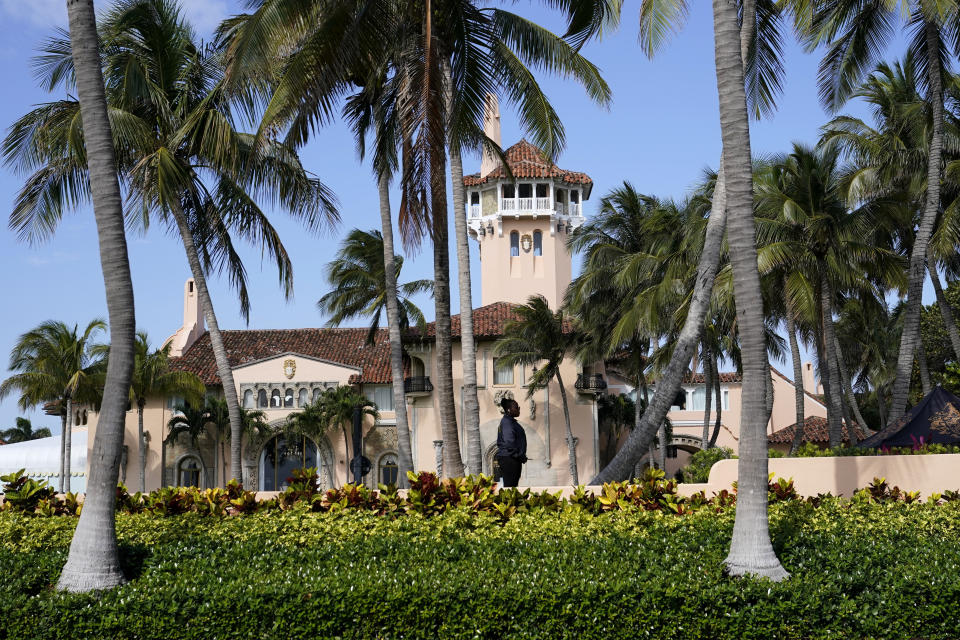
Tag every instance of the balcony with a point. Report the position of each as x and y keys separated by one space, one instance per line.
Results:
x=417 y=386
x=525 y=205
x=475 y=211
x=590 y=383
x=567 y=208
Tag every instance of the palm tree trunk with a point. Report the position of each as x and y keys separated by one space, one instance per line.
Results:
x=141 y=448
x=621 y=465
x=216 y=342
x=719 y=397
x=405 y=453
x=925 y=383
x=94 y=561
x=750 y=549
x=945 y=310
x=708 y=393
x=662 y=449
x=468 y=350
x=848 y=391
x=832 y=377
x=918 y=256
x=571 y=443
x=68 y=446
x=798 y=395
x=64 y=424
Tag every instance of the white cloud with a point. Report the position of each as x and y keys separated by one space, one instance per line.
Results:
x=39 y=13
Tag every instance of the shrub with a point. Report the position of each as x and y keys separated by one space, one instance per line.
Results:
x=698 y=469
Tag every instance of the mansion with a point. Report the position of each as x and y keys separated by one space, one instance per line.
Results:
x=520 y=221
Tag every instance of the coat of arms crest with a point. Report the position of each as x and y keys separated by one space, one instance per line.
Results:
x=289 y=368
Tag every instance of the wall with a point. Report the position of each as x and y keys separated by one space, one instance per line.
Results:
x=842 y=476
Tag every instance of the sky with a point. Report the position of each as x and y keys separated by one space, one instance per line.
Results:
x=660 y=133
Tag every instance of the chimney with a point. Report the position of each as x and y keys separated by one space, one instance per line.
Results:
x=193 y=325
x=810 y=382
x=491 y=128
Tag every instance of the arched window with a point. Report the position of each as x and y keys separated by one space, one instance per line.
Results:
x=303 y=398
x=188 y=472
x=537 y=243
x=389 y=471
x=514 y=244
x=248 y=399
x=288 y=398
x=262 y=399
x=275 y=401
x=316 y=394
x=281 y=456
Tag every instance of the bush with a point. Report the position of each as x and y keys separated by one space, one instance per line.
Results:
x=698 y=469
x=859 y=567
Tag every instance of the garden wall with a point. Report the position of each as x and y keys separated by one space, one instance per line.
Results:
x=843 y=475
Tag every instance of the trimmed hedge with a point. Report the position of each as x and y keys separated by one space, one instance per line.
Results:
x=881 y=565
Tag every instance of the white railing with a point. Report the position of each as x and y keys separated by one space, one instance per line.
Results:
x=543 y=204
x=528 y=204
x=474 y=211
x=508 y=204
x=573 y=209
x=525 y=204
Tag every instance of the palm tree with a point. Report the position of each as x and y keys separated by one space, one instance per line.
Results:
x=93 y=562
x=23 y=432
x=435 y=63
x=541 y=338
x=57 y=364
x=153 y=377
x=762 y=70
x=182 y=159
x=358 y=278
x=853 y=32
x=361 y=289
x=334 y=409
x=817 y=239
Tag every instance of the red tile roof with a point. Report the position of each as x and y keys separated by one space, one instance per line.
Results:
x=343 y=346
x=527 y=161
x=726 y=377
x=814 y=430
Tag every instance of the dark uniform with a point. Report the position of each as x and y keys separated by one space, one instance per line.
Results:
x=511 y=450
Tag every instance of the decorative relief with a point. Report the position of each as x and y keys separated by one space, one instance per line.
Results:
x=499 y=396
x=289 y=368
x=526 y=242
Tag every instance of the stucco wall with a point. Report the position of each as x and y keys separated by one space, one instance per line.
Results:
x=842 y=476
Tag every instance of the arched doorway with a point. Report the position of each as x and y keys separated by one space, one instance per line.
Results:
x=189 y=471
x=281 y=455
x=490 y=465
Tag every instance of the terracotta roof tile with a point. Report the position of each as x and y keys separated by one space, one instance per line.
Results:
x=814 y=430
x=726 y=377
x=343 y=346
x=527 y=161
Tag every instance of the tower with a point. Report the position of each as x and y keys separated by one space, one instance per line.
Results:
x=522 y=224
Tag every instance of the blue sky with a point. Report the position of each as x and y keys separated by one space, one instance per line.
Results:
x=660 y=133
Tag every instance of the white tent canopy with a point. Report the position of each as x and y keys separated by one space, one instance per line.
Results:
x=41 y=459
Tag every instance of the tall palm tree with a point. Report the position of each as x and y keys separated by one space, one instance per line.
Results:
x=543 y=339
x=822 y=243
x=23 y=432
x=93 y=562
x=410 y=48
x=762 y=70
x=58 y=364
x=750 y=549
x=853 y=32
x=183 y=160
x=153 y=377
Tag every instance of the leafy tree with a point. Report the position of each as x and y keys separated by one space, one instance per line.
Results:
x=23 y=432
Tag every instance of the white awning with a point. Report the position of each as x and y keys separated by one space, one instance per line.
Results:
x=41 y=459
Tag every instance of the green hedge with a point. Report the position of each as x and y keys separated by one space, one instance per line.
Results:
x=860 y=569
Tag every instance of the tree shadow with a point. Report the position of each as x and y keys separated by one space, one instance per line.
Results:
x=132 y=559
